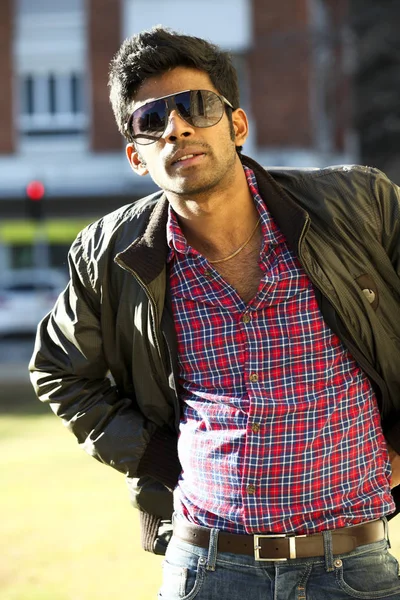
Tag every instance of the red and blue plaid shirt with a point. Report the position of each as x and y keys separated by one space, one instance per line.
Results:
x=280 y=429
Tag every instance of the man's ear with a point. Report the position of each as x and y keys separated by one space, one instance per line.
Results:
x=240 y=126
x=135 y=160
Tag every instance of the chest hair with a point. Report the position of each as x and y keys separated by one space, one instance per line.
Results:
x=243 y=272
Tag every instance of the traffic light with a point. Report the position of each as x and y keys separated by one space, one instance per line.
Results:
x=35 y=193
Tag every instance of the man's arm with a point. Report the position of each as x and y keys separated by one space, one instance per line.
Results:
x=387 y=196
x=69 y=372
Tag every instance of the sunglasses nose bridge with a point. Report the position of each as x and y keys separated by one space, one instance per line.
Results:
x=169 y=107
x=173 y=118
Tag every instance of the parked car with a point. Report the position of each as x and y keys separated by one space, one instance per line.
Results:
x=26 y=296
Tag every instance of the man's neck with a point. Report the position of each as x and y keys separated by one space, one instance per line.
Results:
x=220 y=221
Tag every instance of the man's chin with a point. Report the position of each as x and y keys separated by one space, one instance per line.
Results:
x=190 y=188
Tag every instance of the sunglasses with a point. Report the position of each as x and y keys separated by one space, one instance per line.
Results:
x=199 y=108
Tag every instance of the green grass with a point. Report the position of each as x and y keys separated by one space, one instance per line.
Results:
x=67 y=530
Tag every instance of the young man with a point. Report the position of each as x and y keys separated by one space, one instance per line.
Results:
x=235 y=339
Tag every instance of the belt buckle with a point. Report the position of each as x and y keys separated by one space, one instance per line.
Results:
x=292 y=546
x=257 y=547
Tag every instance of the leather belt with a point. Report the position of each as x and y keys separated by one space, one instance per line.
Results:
x=281 y=547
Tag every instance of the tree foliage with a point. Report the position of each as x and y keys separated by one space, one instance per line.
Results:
x=377 y=82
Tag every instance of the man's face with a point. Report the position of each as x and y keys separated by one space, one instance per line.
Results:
x=213 y=148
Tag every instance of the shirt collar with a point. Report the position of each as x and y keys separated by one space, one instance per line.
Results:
x=272 y=236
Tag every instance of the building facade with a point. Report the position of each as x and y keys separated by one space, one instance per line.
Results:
x=294 y=60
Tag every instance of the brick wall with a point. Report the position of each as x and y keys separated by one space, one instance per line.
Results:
x=6 y=77
x=279 y=65
x=104 y=39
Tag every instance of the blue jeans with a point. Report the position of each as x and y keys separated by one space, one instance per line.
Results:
x=191 y=572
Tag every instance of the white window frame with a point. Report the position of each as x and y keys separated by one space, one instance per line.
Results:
x=43 y=119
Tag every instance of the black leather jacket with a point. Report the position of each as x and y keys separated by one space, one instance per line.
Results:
x=105 y=357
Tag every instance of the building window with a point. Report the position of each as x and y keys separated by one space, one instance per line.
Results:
x=52 y=104
x=240 y=63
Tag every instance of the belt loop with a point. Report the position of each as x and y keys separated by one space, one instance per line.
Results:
x=328 y=550
x=212 y=550
x=386 y=531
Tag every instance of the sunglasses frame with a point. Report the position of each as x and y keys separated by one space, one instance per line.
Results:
x=170 y=106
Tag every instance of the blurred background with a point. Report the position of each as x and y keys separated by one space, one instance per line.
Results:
x=320 y=82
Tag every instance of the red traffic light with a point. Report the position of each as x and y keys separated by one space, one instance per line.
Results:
x=35 y=190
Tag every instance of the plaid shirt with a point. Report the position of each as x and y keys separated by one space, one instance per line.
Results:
x=280 y=429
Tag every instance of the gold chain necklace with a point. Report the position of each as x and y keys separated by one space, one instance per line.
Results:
x=220 y=260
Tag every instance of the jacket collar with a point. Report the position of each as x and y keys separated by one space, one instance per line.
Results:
x=288 y=215
x=147 y=255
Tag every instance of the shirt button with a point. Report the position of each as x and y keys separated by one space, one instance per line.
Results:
x=207 y=273
x=253 y=378
x=246 y=318
x=251 y=489
x=255 y=428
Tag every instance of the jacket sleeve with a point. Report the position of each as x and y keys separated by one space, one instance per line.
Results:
x=387 y=197
x=69 y=372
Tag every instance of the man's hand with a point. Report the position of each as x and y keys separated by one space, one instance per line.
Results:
x=395 y=463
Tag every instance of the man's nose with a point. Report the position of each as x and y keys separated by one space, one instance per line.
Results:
x=177 y=127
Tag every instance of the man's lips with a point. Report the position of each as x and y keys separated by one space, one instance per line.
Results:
x=188 y=160
x=186 y=156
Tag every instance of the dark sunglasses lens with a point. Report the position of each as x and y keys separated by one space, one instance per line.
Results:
x=206 y=108
x=200 y=108
x=148 y=122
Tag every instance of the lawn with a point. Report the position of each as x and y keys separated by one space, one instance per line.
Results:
x=67 y=530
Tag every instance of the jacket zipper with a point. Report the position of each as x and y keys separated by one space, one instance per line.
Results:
x=154 y=320
x=345 y=337
x=153 y=304
x=304 y=262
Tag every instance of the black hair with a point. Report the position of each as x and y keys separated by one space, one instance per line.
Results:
x=158 y=50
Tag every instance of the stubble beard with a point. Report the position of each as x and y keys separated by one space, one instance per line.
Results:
x=212 y=179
